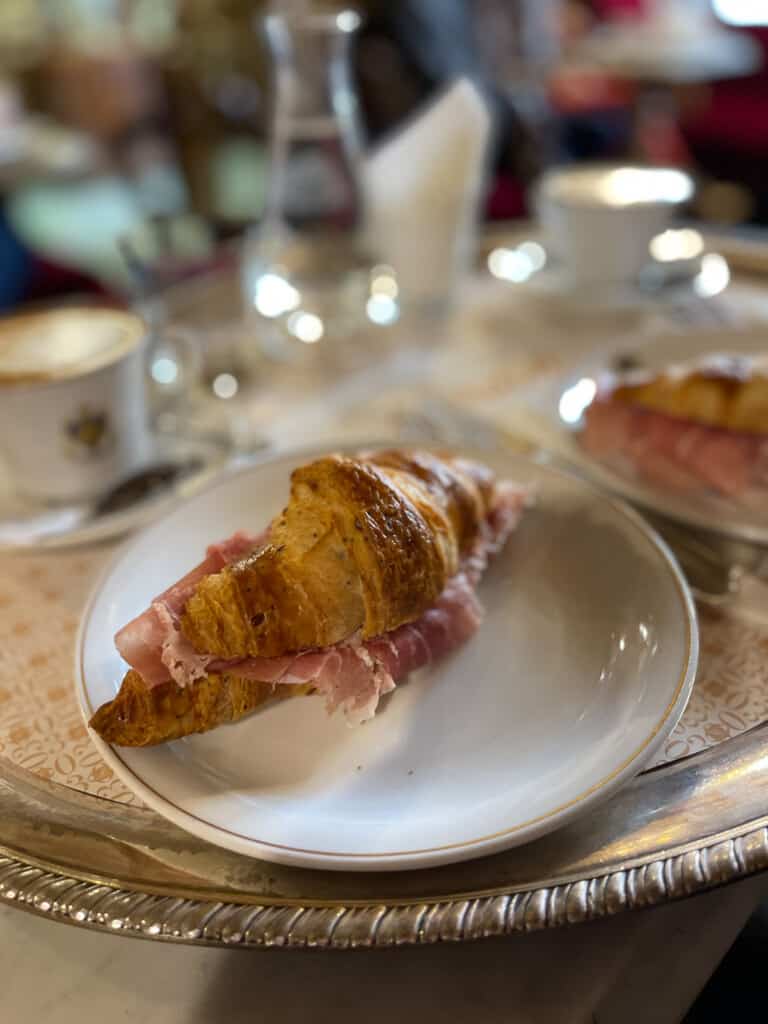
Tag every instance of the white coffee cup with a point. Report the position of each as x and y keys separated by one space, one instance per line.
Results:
x=73 y=402
x=599 y=220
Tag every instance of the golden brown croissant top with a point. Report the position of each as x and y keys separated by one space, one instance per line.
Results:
x=711 y=398
x=365 y=544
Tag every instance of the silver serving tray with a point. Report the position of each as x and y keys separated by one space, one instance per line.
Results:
x=674 y=831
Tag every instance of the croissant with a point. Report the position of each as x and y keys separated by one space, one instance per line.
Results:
x=364 y=544
x=700 y=428
x=141 y=716
x=715 y=399
x=369 y=557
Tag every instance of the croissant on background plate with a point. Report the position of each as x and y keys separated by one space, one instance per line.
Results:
x=701 y=427
x=368 y=573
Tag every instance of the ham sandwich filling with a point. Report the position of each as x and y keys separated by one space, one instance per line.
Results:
x=672 y=452
x=351 y=675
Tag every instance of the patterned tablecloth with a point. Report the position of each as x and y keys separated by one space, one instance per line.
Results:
x=494 y=350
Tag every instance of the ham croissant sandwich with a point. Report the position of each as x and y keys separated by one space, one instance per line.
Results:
x=701 y=427
x=368 y=574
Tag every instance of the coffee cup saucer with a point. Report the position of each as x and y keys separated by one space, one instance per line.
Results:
x=555 y=284
x=551 y=284
x=176 y=467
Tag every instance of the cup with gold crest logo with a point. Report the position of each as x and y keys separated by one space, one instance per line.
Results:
x=73 y=401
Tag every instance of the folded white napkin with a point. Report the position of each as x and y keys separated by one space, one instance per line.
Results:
x=423 y=189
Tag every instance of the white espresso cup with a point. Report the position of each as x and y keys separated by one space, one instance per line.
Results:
x=599 y=220
x=73 y=401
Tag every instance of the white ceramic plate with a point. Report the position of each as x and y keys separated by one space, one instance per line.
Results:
x=549 y=415
x=582 y=667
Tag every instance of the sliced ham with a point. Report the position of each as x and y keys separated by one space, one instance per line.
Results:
x=353 y=680
x=761 y=464
x=151 y=643
x=179 y=658
x=724 y=460
x=608 y=428
x=662 y=471
x=217 y=556
x=672 y=452
x=352 y=675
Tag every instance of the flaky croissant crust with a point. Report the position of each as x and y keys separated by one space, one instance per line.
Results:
x=713 y=399
x=142 y=716
x=364 y=545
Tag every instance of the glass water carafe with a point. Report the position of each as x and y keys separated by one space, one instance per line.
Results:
x=308 y=281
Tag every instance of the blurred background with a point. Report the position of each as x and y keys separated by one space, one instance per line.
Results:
x=119 y=116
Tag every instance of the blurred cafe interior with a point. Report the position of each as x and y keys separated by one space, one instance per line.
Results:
x=147 y=128
x=295 y=194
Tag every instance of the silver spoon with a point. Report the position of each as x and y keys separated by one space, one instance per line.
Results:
x=148 y=483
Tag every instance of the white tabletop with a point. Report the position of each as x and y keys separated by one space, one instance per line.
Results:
x=608 y=970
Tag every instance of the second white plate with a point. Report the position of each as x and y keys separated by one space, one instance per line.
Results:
x=580 y=670
x=550 y=414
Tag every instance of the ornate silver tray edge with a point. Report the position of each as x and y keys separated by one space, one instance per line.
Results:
x=105 y=908
x=671 y=833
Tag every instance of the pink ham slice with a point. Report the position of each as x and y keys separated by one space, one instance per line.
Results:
x=608 y=428
x=351 y=675
x=140 y=642
x=724 y=460
x=671 y=452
